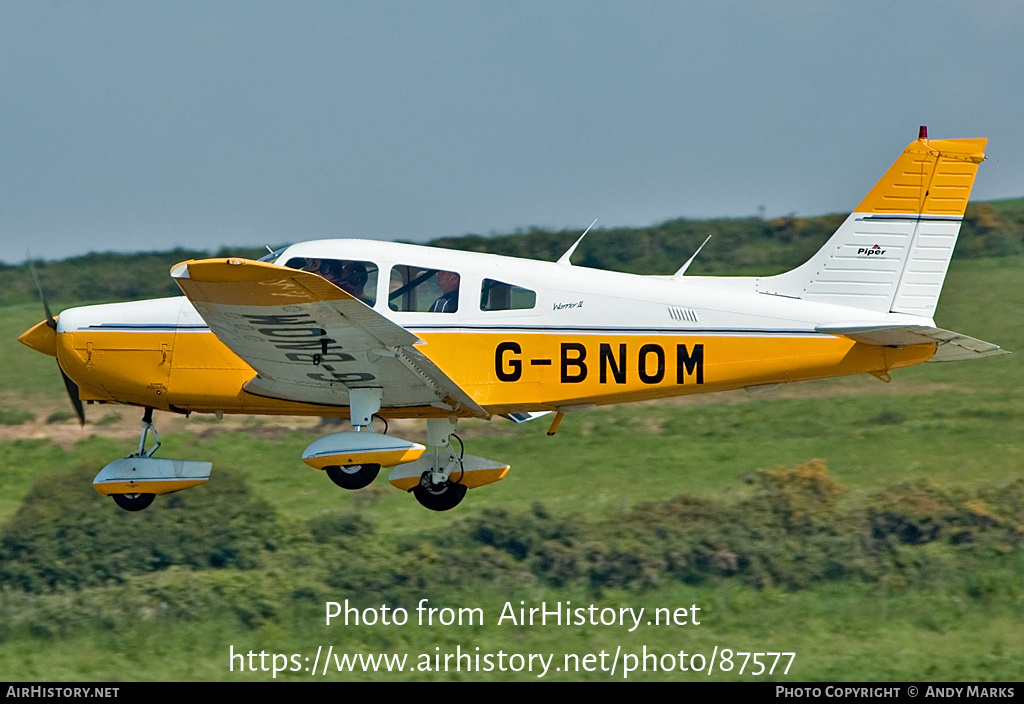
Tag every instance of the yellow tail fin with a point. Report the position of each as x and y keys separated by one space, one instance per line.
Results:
x=929 y=178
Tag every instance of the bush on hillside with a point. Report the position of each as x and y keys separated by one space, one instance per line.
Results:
x=65 y=535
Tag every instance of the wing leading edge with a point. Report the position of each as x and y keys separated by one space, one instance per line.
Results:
x=310 y=341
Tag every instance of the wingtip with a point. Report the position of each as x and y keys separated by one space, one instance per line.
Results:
x=180 y=270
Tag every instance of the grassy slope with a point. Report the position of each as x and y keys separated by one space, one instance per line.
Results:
x=838 y=632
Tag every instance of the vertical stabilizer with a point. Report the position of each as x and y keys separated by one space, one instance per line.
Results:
x=893 y=251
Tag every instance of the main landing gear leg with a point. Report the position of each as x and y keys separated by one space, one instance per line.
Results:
x=363 y=403
x=440 y=488
x=147 y=428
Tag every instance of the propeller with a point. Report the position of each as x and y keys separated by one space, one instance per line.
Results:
x=51 y=322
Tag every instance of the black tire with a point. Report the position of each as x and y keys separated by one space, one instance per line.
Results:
x=354 y=476
x=133 y=502
x=439 y=497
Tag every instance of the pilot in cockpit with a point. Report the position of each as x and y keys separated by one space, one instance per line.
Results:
x=448 y=281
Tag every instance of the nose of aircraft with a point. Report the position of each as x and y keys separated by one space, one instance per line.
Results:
x=41 y=337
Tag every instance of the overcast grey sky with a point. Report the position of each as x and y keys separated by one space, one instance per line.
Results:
x=128 y=126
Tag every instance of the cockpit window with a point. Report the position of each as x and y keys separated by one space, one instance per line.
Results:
x=414 y=288
x=271 y=257
x=496 y=295
x=354 y=277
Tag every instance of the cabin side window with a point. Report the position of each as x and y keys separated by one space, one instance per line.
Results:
x=497 y=295
x=354 y=277
x=416 y=289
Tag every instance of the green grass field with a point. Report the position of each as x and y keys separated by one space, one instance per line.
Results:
x=953 y=426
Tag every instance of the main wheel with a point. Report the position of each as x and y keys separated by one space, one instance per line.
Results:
x=438 y=497
x=133 y=502
x=353 y=476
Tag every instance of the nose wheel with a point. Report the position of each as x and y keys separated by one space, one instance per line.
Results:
x=133 y=502
x=353 y=476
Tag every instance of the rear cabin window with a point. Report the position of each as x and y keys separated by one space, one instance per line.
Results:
x=415 y=289
x=354 y=277
x=497 y=295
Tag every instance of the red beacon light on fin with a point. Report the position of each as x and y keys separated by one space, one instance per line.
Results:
x=922 y=132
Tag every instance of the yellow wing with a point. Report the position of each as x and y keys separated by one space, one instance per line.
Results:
x=310 y=341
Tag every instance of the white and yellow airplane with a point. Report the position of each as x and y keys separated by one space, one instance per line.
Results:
x=406 y=331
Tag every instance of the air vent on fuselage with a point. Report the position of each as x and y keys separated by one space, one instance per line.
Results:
x=688 y=315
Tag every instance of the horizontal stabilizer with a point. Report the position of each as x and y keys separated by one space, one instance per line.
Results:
x=953 y=346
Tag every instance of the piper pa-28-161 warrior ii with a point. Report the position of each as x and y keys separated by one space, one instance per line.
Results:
x=405 y=331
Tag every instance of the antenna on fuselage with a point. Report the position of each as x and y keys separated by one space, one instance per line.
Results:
x=684 y=267
x=564 y=259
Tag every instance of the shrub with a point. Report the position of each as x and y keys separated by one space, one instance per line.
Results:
x=15 y=416
x=65 y=535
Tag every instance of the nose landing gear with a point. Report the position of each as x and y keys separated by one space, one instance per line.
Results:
x=133 y=502
x=352 y=476
x=134 y=482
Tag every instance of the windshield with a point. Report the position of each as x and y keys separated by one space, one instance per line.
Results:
x=271 y=257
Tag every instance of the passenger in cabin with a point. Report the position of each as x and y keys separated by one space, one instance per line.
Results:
x=350 y=276
x=333 y=271
x=323 y=267
x=354 y=278
x=449 y=300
